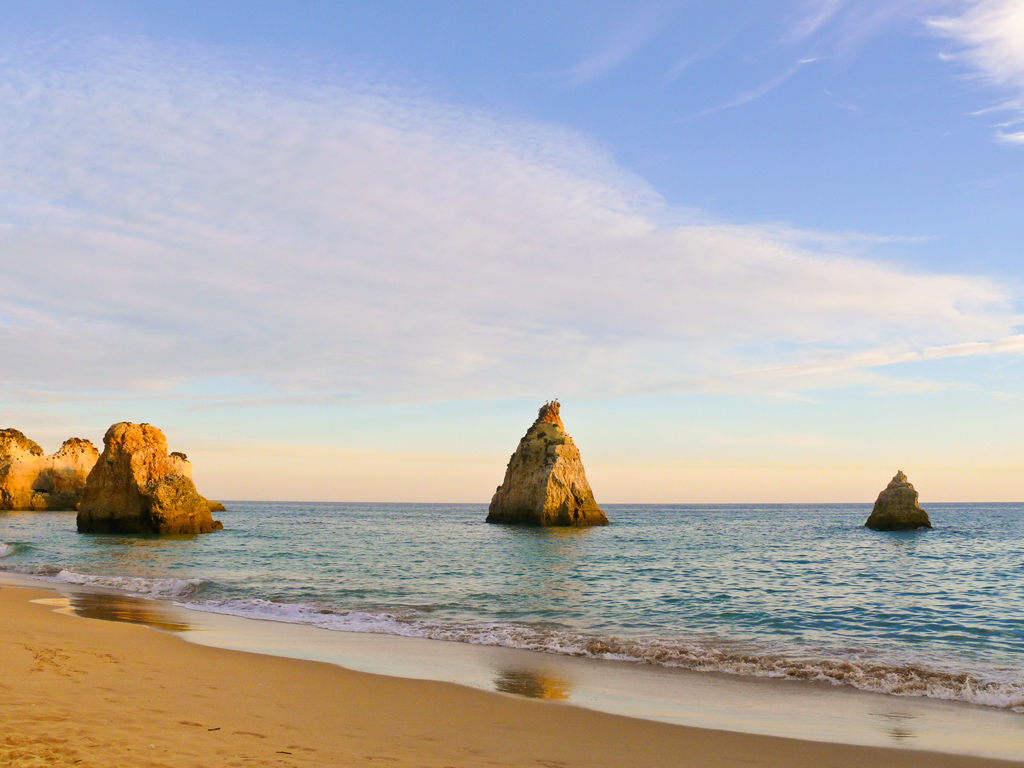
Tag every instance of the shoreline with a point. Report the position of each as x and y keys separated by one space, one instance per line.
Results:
x=108 y=690
x=806 y=708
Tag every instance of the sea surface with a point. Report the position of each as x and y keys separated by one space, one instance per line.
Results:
x=790 y=591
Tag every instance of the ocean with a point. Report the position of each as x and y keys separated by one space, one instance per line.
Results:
x=787 y=591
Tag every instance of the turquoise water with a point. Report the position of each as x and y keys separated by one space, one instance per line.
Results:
x=792 y=591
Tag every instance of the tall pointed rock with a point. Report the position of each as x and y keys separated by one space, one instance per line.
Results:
x=544 y=483
x=896 y=508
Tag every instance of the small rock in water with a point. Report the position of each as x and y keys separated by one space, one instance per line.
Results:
x=896 y=508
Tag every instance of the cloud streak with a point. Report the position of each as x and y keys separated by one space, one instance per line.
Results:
x=824 y=29
x=827 y=369
x=622 y=47
x=818 y=13
x=169 y=218
x=990 y=39
x=755 y=93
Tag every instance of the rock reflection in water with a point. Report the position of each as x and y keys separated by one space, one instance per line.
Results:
x=550 y=560
x=98 y=605
x=142 y=549
x=532 y=684
x=898 y=724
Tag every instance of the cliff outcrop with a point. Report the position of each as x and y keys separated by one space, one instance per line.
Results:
x=137 y=487
x=29 y=479
x=545 y=483
x=896 y=508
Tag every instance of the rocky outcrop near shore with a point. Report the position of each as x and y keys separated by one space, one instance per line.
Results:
x=896 y=508
x=21 y=461
x=137 y=487
x=545 y=483
x=29 y=479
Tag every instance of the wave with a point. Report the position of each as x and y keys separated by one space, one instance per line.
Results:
x=892 y=679
x=133 y=585
x=7 y=549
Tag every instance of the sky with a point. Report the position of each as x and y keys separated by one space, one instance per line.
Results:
x=762 y=252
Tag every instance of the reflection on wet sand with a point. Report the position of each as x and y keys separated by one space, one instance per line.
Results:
x=897 y=724
x=532 y=684
x=111 y=607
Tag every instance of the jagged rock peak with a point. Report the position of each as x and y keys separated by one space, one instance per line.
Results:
x=549 y=414
x=76 y=445
x=898 y=479
x=896 y=508
x=137 y=487
x=14 y=440
x=544 y=482
x=31 y=480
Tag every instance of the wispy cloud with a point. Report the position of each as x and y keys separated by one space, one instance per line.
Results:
x=989 y=35
x=1011 y=344
x=815 y=14
x=626 y=43
x=824 y=29
x=829 y=371
x=167 y=217
x=707 y=50
x=840 y=28
x=754 y=93
x=684 y=65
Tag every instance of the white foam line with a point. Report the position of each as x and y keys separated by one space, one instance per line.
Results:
x=133 y=585
x=875 y=677
x=878 y=677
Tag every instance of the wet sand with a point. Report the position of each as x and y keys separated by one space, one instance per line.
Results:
x=87 y=692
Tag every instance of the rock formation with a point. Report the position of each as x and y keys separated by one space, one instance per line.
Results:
x=21 y=461
x=544 y=483
x=31 y=480
x=136 y=487
x=896 y=508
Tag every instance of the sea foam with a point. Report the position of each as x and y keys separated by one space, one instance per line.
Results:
x=133 y=585
x=897 y=680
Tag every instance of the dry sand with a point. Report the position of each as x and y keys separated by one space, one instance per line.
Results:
x=86 y=692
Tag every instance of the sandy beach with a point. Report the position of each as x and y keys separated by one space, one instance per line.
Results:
x=88 y=692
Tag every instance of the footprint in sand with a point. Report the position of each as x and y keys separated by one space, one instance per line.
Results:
x=26 y=752
x=49 y=658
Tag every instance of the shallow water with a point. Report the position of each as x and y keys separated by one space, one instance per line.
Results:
x=792 y=591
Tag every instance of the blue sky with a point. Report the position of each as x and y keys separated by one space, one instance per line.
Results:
x=761 y=252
